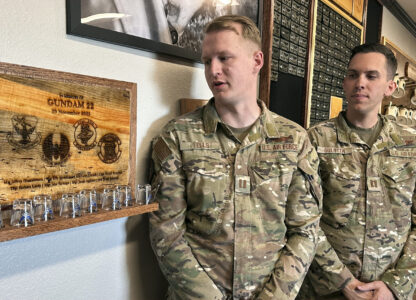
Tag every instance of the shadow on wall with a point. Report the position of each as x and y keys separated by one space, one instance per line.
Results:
x=146 y=279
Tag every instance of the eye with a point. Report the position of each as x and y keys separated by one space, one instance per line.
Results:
x=351 y=75
x=371 y=76
x=224 y=58
x=206 y=62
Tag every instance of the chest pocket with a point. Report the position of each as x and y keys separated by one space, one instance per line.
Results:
x=340 y=176
x=271 y=174
x=205 y=186
x=399 y=177
x=398 y=172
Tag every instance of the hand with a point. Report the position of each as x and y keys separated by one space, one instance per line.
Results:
x=351 y=291
x=380 y=290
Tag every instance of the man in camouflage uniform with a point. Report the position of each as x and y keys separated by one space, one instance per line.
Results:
x=368 y=171
x=239 y=194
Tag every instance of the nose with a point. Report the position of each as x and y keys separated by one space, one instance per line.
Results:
x=215 y=68
x=360 y=82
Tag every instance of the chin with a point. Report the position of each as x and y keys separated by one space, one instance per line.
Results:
x=356 y=106
x=221 y=98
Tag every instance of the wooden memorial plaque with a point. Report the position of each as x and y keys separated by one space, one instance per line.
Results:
x=62 y=132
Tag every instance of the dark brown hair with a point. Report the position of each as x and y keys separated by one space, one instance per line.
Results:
x=391 y=62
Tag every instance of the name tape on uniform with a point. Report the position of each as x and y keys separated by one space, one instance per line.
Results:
x=334 y=150
x=200 y=146
x=403 y=153
x=279 y=147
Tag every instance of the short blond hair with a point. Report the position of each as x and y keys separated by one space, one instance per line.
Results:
x=249 y=29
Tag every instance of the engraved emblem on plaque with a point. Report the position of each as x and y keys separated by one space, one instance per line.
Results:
x=24 y=135
x=110 y=150
x=55 y=148
x=85 y=134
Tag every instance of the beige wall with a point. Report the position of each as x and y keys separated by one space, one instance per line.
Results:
x=109 y=260
x=398 y=34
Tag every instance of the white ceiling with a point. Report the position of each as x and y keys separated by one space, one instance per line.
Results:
x=409 y=7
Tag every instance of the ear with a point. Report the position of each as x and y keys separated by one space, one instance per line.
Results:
x=391 y=86
x=258 y=61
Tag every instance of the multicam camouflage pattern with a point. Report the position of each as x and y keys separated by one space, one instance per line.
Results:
x=369 y=208
x=236 y=220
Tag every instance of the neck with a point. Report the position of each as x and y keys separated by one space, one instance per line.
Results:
x=239 y=115
x=362 y=120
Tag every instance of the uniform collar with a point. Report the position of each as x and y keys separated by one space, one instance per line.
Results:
x=388 y=138
x=211 y=119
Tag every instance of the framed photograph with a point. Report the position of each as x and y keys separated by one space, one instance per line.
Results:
x=167 y=27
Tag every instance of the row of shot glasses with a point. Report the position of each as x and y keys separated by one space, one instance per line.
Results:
x=25 y=212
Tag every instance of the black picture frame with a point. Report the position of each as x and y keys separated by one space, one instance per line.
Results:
x=75 y=27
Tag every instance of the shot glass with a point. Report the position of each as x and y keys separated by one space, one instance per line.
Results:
x=109 y=199
x=42 y=207
x=70 y=206
x=22 y=213
x=123 y=194
x=56 y=205
x=88 y=200
x=143 y=194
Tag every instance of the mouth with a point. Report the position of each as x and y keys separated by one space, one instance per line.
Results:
x=359 y=96
x=218 y=84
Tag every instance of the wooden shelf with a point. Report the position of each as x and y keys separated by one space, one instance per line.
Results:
x=8 y=232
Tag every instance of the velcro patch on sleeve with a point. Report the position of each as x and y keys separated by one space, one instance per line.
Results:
x=161 y=149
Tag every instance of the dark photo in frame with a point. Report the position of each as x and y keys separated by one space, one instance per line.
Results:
x=168 y=27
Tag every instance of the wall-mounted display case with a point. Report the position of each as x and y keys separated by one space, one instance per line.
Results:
x=309 y=48
x=335 y=35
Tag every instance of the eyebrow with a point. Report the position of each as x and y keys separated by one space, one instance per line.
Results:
x=369 y=71
x=221 y=53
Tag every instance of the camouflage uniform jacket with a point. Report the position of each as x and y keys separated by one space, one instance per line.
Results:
x=235 y=221
x=369 y=208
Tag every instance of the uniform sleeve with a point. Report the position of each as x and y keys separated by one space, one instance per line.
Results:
x=186 y=277
x=302 y=222
x=402 y=279
x=327 y=272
